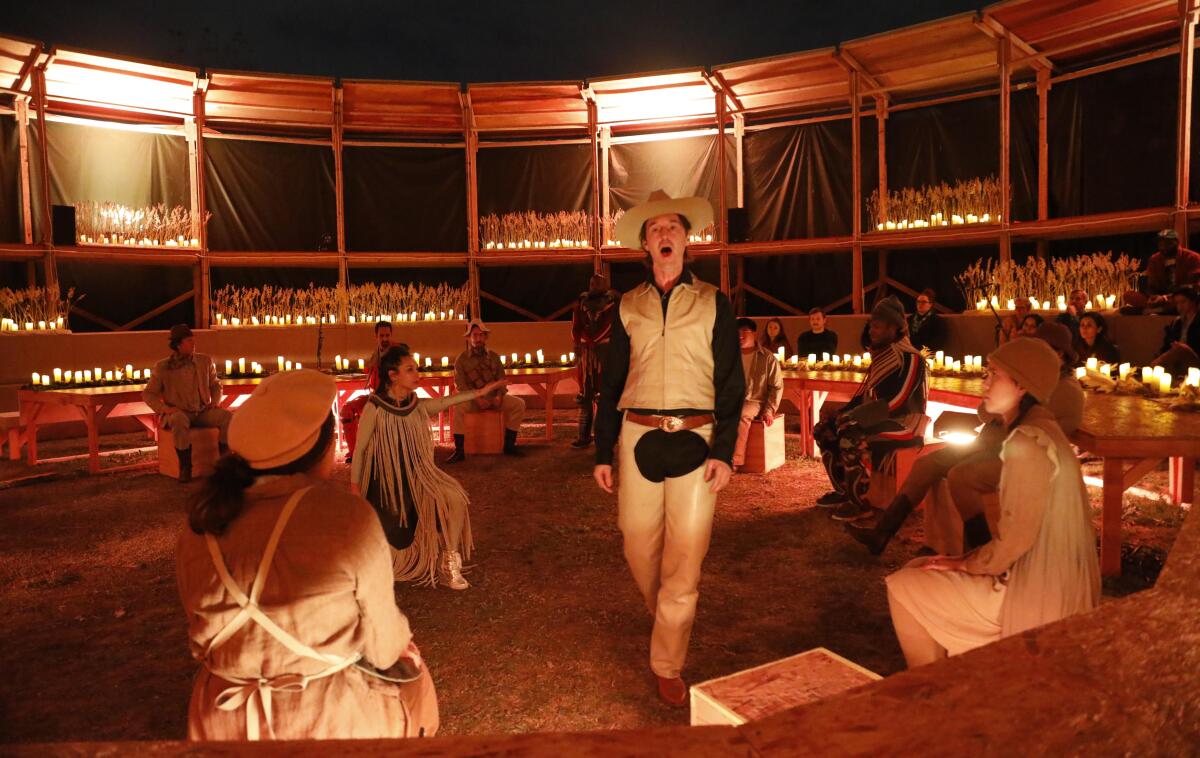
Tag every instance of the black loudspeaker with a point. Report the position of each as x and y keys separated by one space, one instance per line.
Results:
x=62 y=221
x=739 y=225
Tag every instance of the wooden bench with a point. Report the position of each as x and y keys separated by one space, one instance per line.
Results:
x=765 y=447
x=205 y=451
x=483 y=433
x=12 y=432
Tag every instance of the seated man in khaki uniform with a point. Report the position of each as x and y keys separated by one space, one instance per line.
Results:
x=475 y=368
x=764 y=386
x=185 y=390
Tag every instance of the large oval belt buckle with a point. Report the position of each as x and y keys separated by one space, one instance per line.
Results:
x=670 y=424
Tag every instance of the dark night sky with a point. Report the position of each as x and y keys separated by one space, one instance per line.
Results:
x=460 y=40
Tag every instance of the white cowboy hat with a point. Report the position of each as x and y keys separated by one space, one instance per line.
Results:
x=476 y=323
x=698 y=211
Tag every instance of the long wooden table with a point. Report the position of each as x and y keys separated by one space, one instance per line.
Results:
x=1131 y=435
x=92 y=405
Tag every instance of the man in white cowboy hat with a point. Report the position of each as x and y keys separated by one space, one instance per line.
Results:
x=672 y=390
x=474 y=368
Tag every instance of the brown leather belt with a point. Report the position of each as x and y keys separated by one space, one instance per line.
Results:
x=670 y=423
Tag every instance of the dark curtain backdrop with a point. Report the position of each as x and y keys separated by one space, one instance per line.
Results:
x=405 y=198
x=803 y=281
x=269 y=195
x=1112 y=140
x=113 y=165
x=542 y=178
x=121 y=293
x=10 y=181
x=14 y=274
x=540 y=289
x=683 y=167
x=943 y=143
x=934 y=268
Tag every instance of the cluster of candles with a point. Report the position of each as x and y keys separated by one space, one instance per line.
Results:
x=104 y=239
x=937 y=219
x=969 y=363
x=1155 y=378
x=1099 y=301
x=693 y=239
x=288 y=319
x=9 y=325
x=344 y=364
x=534 y=244
x=862 y=360
x=531 y=359
x=57 y=377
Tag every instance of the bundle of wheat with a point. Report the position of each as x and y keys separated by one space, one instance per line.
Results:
x=106 y=223
x=1049 y=283
x=973 y=201
x=285 y=306
x=35 y=309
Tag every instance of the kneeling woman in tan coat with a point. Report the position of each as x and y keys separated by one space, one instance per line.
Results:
x=1041 y=564
x=287 y=584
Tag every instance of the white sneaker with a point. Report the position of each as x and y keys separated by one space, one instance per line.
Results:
x=451 y=571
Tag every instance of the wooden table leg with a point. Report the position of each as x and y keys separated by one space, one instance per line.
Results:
x=1181 y=481
x=93 y=435
x=1110 y=519
x=29 y=417
x=549 y=395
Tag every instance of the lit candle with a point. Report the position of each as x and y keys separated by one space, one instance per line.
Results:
x=1159 y=371
x=837 y=360
x=1147 y=375
x=417 y=358
x=236 y=321
x=541 y=358
x=562 y=358
x=445 y=362
x=337 y=362
x=128 y=369
x=825 y=357
x=528 y=358
x=1123 y=370
x=29 y=326
x=228 y=367
x=42 y=325
x=428 y=363
x=361 y=364
x=781 y=354
x=37 y=379
x=1080 y=372
x=1091 y=364
x=241 y=365
x=1193 y=376
x=287 y=365
x=258 y=368
x=1011 y=305
x=504 y=360
x=60 y=321
x=299 y=366
x=795 y=360
x=1110 y=301
x=812 y=358
x=108 y=376
x=87 y=375
x=571 y=355
x=281 y=362
x=939 y=358
x=1106 y=370
x=57 y=375
x=1164 y=384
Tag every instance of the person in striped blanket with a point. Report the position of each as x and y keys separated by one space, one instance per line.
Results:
x=885 y=414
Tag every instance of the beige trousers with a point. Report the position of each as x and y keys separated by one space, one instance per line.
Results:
x=181 y=422
x=511 y=407
x=750 y=411
x=961 y=496
x=666 y=528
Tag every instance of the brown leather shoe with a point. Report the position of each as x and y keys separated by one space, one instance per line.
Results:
x=672 y=691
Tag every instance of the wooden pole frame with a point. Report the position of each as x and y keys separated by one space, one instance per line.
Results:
x=1043 y=156
x=1183 y=150
x=49 y=263
x=1003 y=55
x=203 y=271
x=471 y=148
x=339 y=191
x=856 y=263
x=597 y=220
x=22 y=108
x=722 y=230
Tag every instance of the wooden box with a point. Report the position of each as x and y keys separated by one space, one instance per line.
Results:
x=484 y=433
x=765 y=447
x=205 y=452
x=764 y=690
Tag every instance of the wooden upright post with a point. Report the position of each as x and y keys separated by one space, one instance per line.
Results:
x=739 y=137
x=881 y=117
x=49 y=265
x=203 y=273
x=856 y=263
x=1187 y=39
x=721 y=233
x=471 y=140
x=339 y=190
x=26 y=184
x=1043 y=186
x=1004 y=54
x=597 y=220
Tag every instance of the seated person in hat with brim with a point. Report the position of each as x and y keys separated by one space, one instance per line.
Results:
x=1170 y=268
x=185 y=391
x=475 y=368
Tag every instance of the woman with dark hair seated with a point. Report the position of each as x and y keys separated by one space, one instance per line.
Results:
x=1094 y=342
x=287 y=584
x=774 y=337
x=1041 y=564
x=1030 y=324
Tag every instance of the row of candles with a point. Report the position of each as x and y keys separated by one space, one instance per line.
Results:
x=58 y=377
x=1155 y=378
x=1099 y=301
x=104 y=239
x=9 y=325
x=535 y=244
x=937 y=219
x=288 y=319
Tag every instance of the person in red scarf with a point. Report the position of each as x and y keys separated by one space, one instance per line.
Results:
x=352 y=410
x=591 y=327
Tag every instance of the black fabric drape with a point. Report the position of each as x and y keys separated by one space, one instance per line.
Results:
x=113 y=165
x=402 y=198
x=269 y=195
x=542 y=178
x=683 y=167
x=802 y=281
x=1023 y=154
x=935 y=268
x=943 y=143
x=538 y=289
x=10 y=181
x=122 y=293
x=798 y=181
x=1112 y=140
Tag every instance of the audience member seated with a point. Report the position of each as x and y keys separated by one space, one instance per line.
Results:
x=1093 y=341
x=331 y=628
x=1030 y=324
x=926 y=329
x=475 y=368
x=185 y=391
x=1181 y=339
x=764 y=387
x=774 y=337
x=1169 y=269
x=973 y=470
x=1011 y=326
x=885 y=414
x=818 y=339
x=1041 y=565
x=1077 y=303
x=352 y=410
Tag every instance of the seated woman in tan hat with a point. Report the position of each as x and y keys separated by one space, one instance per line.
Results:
x=423 y=509
x=287 y=584
x=1041 y=564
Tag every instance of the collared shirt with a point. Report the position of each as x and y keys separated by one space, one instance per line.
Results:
x=186 y=382
x=728 y=381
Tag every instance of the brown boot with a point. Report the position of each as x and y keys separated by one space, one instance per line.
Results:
x=185 y=465
x=876 y=538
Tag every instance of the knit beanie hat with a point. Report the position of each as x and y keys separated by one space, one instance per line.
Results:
x=1032 y=363
x=1058 y=337
x=890 y=310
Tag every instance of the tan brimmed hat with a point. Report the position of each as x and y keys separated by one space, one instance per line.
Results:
x=1032 y=363
x=697 y=210
x=282 y=419
x=476 y=323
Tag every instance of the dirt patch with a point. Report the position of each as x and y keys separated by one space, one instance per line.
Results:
x=550 y=637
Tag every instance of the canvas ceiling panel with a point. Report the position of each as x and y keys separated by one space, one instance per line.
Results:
x=10 y=182
x=122 y=293
x=94 y=163
x=269 y=196
x=1112 y=140
x=542 y=178
x=401 y=198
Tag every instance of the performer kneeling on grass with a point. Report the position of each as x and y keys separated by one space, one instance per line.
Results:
x=423 y=510
x=287 y=584
x=1041 y=564
x=672 y=389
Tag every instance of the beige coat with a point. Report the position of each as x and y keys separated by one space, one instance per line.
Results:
x=187 y=384
x=764 y=380
x=1040 y=566
x=330 y=586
